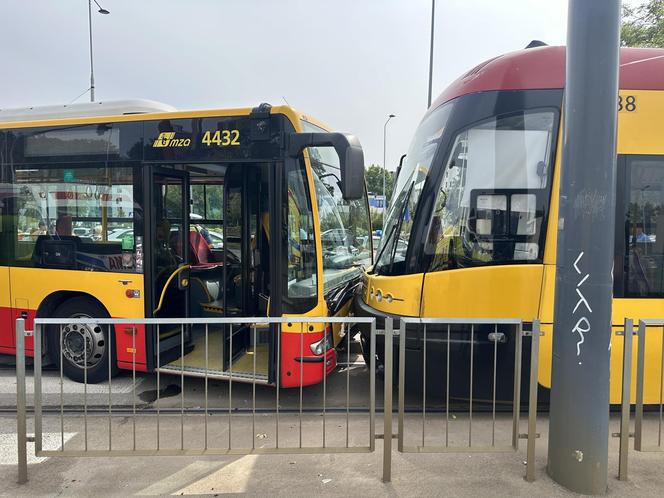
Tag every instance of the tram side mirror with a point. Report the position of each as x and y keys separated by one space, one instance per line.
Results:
x=351 y=158
x=183 y=278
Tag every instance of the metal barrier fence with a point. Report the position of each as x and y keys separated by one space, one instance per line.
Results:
x=469 y=329
x=208 y=446
x=356 y=418
x=625 y=434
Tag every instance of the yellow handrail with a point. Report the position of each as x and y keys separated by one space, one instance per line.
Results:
x=163 y=291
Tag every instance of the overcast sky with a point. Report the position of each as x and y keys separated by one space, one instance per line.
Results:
x=350 y=63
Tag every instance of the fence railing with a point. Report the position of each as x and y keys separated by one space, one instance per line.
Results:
x=304 y=414
x=626 y=394
x=468 y=335
x=208 y=446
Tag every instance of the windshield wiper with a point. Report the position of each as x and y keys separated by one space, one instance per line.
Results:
x=401 y=215
x=387 y=239
x=394 y=227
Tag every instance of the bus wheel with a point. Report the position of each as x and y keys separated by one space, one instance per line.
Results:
x=82 y=343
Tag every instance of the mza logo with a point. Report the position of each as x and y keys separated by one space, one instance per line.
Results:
x=167 y=139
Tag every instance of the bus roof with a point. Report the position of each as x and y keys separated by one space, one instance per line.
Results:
x=544 y=68
x=83 y=109
x=126 y=110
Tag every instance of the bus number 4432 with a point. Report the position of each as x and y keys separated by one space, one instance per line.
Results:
x=221 y=138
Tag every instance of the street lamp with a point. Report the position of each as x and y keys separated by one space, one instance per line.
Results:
x=433 y=18
x=92 y=70
x=384 y=164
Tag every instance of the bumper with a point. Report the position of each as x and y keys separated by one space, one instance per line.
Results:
x=360 y=308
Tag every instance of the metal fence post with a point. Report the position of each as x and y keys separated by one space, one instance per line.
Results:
x=638 y=409
x=37 y=388
x=21 y=429
x=402 y=384
x=387 y=403
x=625 y=401
x=532 y=402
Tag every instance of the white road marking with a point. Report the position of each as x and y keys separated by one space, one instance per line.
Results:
x=191 y=472
x=233 y=478
x=51 y=384
x=9 y=442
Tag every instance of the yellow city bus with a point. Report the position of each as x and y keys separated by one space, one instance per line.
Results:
x=132 y=210
x=471 y=232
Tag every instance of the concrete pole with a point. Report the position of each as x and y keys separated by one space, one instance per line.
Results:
x=579 y=412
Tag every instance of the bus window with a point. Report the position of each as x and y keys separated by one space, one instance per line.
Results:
x=344 y=226
x=91 y=210
x=643 y=232
x=206 y=213
x=492 y=199
x=301 y=284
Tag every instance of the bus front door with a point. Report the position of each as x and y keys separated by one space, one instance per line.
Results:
x=245 y=250
x=167 y=229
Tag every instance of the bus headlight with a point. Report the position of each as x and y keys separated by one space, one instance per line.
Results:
x=319 y=347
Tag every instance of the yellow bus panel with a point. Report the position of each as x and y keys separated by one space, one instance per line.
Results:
x=108 y=288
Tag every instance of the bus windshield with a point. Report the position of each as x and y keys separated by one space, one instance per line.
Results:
x=344 y=226
x=406 y=196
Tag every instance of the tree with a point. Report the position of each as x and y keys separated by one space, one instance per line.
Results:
x=643 y=26
x=374 y=178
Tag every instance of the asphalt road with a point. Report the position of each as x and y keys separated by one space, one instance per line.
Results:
x=125 y=393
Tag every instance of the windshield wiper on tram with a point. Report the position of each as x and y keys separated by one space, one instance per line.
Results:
x=394 y=229
x=399 y=223
x=387 y=240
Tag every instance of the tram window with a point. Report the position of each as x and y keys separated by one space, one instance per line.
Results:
x=643 y=232
x=491 y=204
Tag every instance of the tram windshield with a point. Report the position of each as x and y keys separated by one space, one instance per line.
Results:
x=491 y=203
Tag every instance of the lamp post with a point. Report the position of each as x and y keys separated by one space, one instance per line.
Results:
x=384 y=163
x=433 y=12
x=92 y=70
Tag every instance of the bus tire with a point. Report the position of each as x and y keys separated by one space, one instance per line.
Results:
x=96 y=338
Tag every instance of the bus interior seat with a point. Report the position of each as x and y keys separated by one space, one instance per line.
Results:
x=57 y=251
x=200 y=252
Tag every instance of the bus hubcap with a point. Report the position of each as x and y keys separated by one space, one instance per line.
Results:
x=83 y=343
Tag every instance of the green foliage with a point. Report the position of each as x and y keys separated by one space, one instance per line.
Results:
x=374 y=177
x=207 y=201
x=643 y=26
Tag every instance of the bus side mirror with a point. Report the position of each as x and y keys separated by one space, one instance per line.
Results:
x=351 y=158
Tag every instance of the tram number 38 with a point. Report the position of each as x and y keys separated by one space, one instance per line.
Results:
x=627 y=104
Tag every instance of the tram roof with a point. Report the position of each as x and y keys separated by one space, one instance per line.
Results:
x=544 y=68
